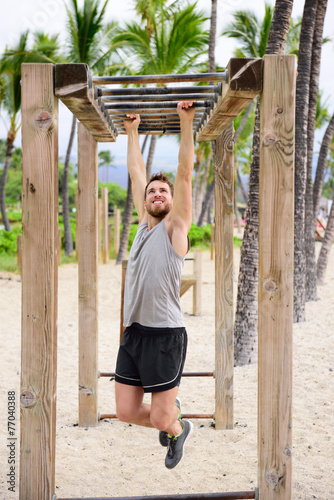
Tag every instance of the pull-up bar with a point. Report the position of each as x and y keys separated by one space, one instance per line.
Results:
x=240 y=495
x=163 y=91
x=154 y=97
x=155 y=105
x=196 y=77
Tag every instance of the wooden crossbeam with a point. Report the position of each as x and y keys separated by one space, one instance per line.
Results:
x=245 y=83
x=74 y=86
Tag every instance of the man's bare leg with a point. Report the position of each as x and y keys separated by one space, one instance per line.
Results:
x=161 y=414
x=130 y=406
x=164 y=412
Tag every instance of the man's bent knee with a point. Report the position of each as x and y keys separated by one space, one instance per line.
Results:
x=161 y=419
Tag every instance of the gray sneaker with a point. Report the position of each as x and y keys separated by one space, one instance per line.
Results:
x=163 y=436
x=176 y=445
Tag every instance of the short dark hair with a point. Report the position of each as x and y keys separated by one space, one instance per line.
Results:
x=160 y=176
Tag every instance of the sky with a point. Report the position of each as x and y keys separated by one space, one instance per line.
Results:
x=50 y=16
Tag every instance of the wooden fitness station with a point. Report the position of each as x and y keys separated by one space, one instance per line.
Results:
x=100 y=107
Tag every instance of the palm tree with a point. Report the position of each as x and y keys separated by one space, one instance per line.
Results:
x=45 y=49
x=311 y=282
x=106 y=160
x=326 y=247
x=11 y=74
x=321 y=166
x=302 y=107
x=174 y=43
x=86 y=43
x=256 y=39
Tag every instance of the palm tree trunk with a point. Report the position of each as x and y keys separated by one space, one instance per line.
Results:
x=127 y=215
x=206 y=203
x=310 y=221
x=245 y=325
x=321 y=166
x=243 y=121
x=245 y=328
x=68 y=245
x=302 y=98
x=326 y=247
x=242 y=187
x=196 y=186
x=150 y=157
x=9 y=149
x=209 y=193
x=212 y=36
x=201 y=193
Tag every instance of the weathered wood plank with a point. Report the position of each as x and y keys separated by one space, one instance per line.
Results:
x=39 y=281
x=74 y=87
x=245 y=82
x=276 y=228
x=143 y=79
x=105 y=215
x=117 y=229
x=224 y=279
x=88 y=277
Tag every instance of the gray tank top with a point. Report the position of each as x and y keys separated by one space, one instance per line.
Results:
x=153 y=280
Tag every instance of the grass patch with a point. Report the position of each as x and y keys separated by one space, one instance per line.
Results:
x=8 y=263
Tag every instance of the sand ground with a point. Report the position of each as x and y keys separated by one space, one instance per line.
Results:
x=116 y=459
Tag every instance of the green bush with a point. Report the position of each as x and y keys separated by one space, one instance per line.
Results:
x=8 y=240
x=199 y=235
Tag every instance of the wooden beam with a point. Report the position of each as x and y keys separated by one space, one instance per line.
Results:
x=224 y=224
x=74 y=86
x=88 y=277
x=135 y=79
x=276 y=229
x=245 y=82
x=39 y=281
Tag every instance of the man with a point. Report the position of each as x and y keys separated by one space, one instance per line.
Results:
x=152 y=352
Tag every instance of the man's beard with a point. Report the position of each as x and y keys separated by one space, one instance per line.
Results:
x=160 y=213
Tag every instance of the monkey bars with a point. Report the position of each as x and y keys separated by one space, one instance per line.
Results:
x=102 y=107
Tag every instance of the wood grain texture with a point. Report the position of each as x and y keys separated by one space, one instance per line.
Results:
x=74 y=86
x=224 y=279
x=245 y=83
x=39 y=281
x=88 y=277
x=276 y=209
x=105 y=235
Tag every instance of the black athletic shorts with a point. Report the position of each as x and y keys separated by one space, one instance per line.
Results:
x=152 y=358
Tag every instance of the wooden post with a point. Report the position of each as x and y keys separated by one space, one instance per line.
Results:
x=88 y=277
x=76 y=224
x=117 y=229
x=224 y=279
x=39 y=282
x=197 y=289
x=276 y=209
x=99 y=228
x=19 y=251
x=105 y=238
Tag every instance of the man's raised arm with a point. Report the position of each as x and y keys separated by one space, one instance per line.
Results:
x=135 y=164
x=181 y=213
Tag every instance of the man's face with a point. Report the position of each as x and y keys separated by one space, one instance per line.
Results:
x=159 y=200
